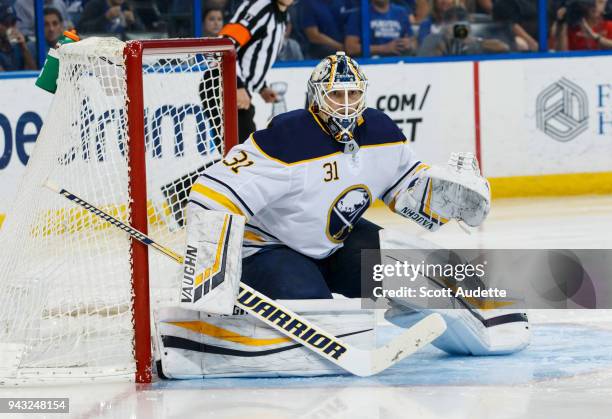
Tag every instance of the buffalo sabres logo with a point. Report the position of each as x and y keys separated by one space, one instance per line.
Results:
x=346 y=210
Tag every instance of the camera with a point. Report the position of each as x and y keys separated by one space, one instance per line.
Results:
x=461 y=30
x=458 y=17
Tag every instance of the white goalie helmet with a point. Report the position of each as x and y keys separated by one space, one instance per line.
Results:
x=337 y=91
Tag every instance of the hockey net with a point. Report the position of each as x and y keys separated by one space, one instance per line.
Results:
x=73 y=289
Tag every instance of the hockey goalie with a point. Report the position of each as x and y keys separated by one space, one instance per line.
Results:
x=282 y=213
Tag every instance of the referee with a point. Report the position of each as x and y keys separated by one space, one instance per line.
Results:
x=257 y=30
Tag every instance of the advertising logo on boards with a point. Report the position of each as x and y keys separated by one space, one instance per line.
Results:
x=402 y=106
x=562 y=111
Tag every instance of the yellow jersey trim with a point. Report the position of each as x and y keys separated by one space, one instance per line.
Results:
x=382 y=144
x=217 y=197
x=249 y=235
x=318 y=121
x=411 y=173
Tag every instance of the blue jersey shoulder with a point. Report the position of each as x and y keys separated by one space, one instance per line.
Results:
x=298 y=135
x=378 y=129
x=293 y=137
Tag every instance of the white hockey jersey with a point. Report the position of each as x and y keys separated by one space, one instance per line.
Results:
x=296 y=186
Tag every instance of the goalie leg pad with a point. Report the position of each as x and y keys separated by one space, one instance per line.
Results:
x=198 y=345
x=471 y=332
x=213 y=260
x=484 y=332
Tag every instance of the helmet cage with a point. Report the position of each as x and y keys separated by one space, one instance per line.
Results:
x=341 y=100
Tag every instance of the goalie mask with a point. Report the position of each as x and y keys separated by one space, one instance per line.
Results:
x=336 y=92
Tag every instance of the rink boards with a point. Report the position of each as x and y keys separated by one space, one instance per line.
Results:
x=540 y=126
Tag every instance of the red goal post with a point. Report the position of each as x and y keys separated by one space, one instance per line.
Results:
x=130 y=128
x=134 y=51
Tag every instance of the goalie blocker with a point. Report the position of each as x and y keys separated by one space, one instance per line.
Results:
x=212 y=266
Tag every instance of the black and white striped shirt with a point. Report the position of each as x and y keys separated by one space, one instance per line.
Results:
x=258 y=29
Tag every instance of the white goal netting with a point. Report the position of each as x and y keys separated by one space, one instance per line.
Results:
x=65 y=275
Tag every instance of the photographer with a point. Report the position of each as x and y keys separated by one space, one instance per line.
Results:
x=581 y=25
x=433 y=22
x=454 y=38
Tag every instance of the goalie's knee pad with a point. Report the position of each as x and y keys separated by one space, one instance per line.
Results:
x=472 y=332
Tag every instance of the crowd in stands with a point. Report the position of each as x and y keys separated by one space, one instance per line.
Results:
x=452 y=27
x=320 y=27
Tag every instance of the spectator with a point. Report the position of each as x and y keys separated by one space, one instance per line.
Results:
x=54 y=27
x=413 y=7
x=291 y=50
x=322 y=27
x=390 y=30
x=25 y=13
x=420 y=10
x=343 y=9
x=14 y=52
x=433 y=22
x=212 y=21
x=454 y=38
x=108 y=16
x=523 y=18
x=584 y=27
x=179 y=15
x=227 y=7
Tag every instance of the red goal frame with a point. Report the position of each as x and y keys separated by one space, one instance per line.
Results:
x=133 y=53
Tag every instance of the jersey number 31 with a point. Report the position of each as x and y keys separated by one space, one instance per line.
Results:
x=331 y=171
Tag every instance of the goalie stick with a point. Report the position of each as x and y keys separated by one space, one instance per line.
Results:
x=359 y=362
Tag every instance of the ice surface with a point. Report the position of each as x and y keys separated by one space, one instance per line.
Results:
x=565 y=373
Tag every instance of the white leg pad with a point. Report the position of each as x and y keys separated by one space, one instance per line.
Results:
x=477 y=332
x=198 y=345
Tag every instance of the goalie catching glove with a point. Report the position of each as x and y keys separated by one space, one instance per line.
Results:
x=438 y=194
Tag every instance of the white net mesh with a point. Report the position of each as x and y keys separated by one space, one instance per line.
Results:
x=65 y=275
